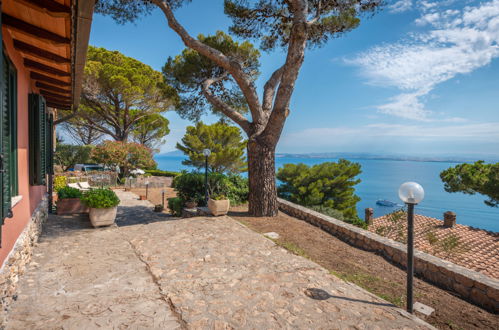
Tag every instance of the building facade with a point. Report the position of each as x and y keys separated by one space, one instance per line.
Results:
x=44 y=45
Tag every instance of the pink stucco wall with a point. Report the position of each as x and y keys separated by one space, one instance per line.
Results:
x=31 y=195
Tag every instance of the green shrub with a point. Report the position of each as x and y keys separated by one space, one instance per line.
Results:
x=175 y=205
x=100 y=198
x=60 y=182
x=331 y=184
x=162 y=173
x=68 y=192
x=356 y=221
x=327 y=211
x=190 y=186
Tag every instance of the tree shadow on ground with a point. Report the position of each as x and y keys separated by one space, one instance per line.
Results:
x=66 y=225
x=140 y=215
x=319 y=294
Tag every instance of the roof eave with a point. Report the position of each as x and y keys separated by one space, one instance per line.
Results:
x=83 y=12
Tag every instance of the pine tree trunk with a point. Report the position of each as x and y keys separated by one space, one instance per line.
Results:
x=262 y=186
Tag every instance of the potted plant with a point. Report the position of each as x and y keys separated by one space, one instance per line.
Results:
x=158 y=208
x=218 y=204
x=103 y=204
x=68 y=201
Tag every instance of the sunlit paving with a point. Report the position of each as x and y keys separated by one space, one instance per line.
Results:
x=244 y=164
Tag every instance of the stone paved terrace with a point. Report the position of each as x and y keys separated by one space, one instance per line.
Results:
x=152 y=271
x=477 y=248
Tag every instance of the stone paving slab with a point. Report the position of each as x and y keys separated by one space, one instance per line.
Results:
x=86 y=278
x=152 y=271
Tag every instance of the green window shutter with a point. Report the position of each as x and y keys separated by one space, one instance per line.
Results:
x=50 y=145
x=5 y=154
x=37 y=139
x=12 y=114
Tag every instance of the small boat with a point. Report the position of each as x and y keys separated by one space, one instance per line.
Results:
x=384 y=202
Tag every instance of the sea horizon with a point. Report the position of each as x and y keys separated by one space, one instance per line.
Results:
x=380 y=179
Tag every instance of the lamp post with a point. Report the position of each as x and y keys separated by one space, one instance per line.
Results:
x=411 y=193
x=206 y=153
x=147 y=189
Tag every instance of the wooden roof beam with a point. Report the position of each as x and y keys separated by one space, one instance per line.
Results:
x=38 y=52
x=45 y=68
x=42 y=77
x=55 y=96
x=52 y=88
x=25 y=27
x=59 y=106
x=49 y=7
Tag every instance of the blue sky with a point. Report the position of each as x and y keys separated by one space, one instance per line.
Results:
x=419 y=78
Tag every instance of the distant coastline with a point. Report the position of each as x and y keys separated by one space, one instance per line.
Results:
x=369 y=156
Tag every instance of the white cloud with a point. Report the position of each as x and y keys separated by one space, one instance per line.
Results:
x=400 y=6
x=457 y=42
x=476 y=132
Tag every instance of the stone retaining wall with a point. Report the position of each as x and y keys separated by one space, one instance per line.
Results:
x=470 y=285
x=16 y=262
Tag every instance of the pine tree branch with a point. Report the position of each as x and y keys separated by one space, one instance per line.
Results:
x=222 y=106
x=232 y=66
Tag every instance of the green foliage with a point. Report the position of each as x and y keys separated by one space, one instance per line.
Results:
x=121 y=96
x=225 y=143
x=127 y=156
x=474 y=178
x=175 y=205
x=60 y=181
x=187 y=72
x=68 y=155
x=356 y=221
x=162 y=173
x=100 y=198
x=328 y=184
x=271 y=21
x=190 y=186
x=151 y=130
x=68 y=192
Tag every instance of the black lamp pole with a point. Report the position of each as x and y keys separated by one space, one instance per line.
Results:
x=206 y=180
x=410 y=255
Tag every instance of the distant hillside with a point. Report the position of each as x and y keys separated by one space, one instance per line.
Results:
x=443 y=158
x=175 y=153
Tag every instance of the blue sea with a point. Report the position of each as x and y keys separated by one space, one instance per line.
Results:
x=381 y=180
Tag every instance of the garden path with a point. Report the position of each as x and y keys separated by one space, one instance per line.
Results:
x=153 y=271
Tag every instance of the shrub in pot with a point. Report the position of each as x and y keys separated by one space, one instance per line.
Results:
x=218 y=205
x=103 y=204
x=68 y=201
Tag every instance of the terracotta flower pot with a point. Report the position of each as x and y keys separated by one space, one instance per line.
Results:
x=103 y=217
x=218 y=207
x=142 y=197
x=70 y=206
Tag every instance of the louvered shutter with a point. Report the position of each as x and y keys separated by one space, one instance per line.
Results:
x=5 y=143
x=37 y=139
x=50 y=145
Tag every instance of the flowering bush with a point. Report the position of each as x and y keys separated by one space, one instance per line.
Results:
x=126 y=156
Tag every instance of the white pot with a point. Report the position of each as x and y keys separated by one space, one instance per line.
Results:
x=102 y=217
x=220 y=207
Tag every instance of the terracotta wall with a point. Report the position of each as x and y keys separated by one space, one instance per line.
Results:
x=31 y=195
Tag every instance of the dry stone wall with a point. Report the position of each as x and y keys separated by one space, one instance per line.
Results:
x=470 y=285
x=15 y=264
